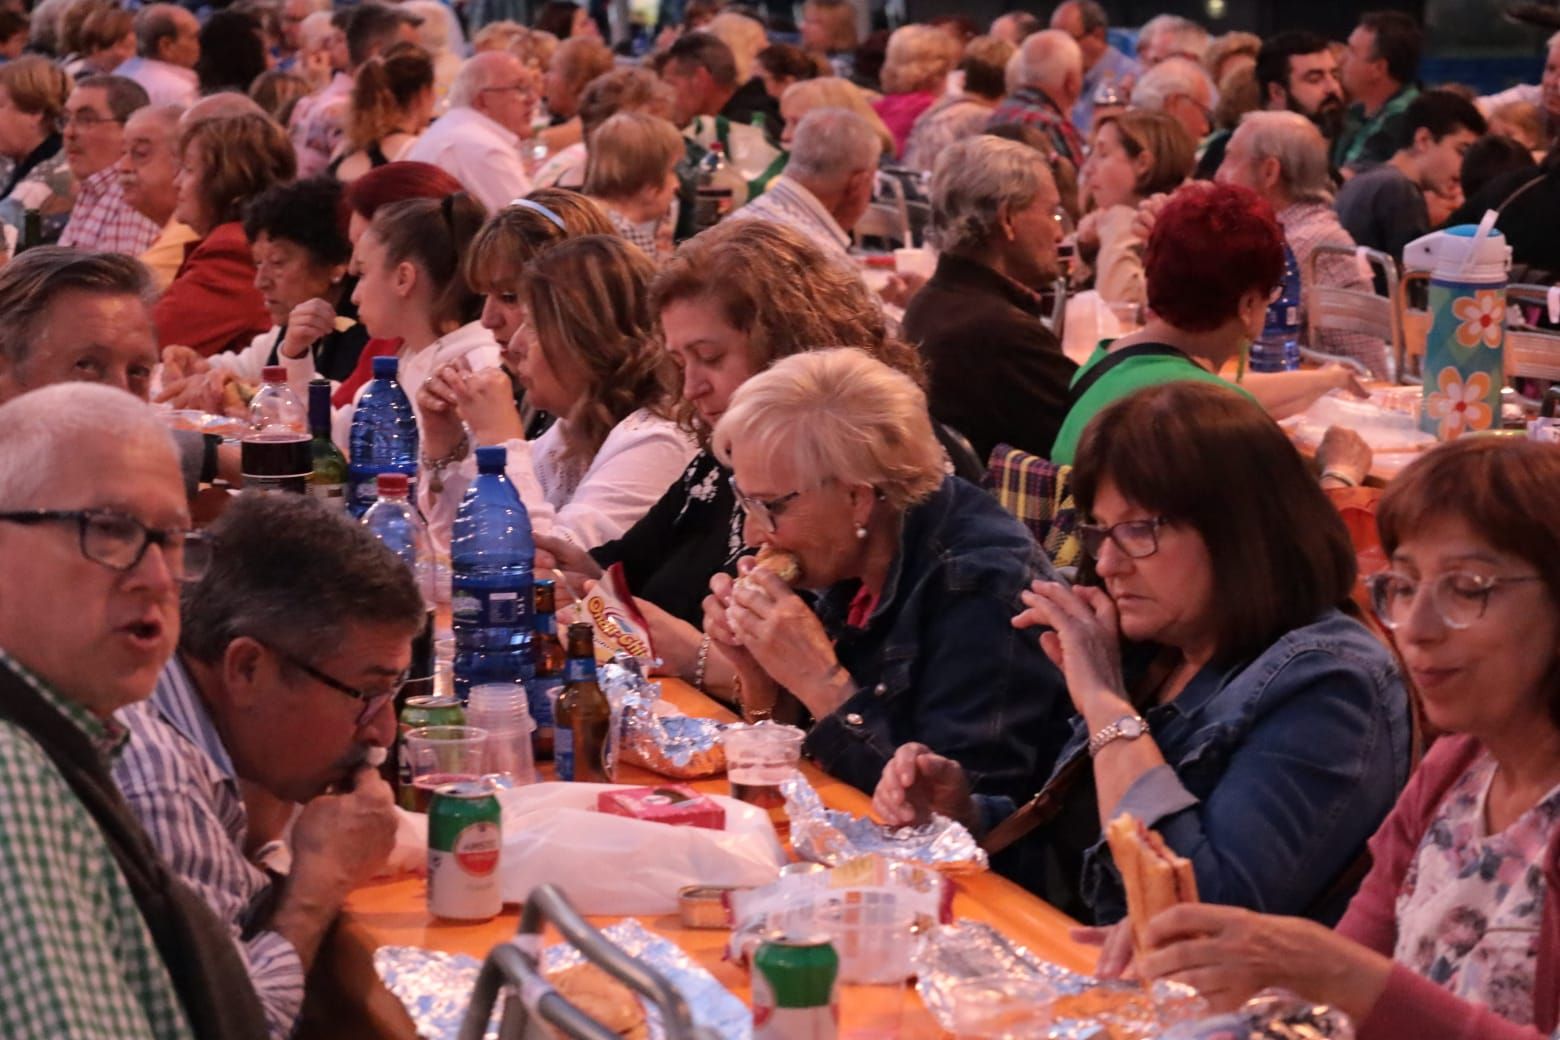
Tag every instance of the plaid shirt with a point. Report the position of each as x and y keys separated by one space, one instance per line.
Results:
x=1367 y=141
x=78 y=959
x=1311 y=224
x=180 y=783
x=103 y=222
x=1032 y=107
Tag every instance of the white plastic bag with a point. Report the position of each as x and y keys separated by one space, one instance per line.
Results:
x=609 y=864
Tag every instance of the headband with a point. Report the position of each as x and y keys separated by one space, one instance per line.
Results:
x=537 y=207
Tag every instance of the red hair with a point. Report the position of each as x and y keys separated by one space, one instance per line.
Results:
x=397 y=182
x=1212 y=244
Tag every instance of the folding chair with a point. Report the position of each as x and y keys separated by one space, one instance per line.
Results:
x=887 y=217
x=1056 y=320
x=512 y=970
x=1351 y=310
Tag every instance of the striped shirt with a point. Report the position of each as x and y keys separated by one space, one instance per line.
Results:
x=78 y=960
x=181 y=785
x=787 y=202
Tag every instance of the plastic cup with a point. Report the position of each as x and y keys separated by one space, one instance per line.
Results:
x=1002 y=1009
x=759 y=759
x=922 y=262
x=503 y=710
x=872 y=933
x=442 y=755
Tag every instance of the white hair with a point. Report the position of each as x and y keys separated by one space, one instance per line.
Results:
x=440 y=31
x=974 y=182
x=1187 y=38
x=1046 y=60
x=831 y=144
x=1169 y=78
x=745 y=36
x=41 y=430
x=1298 y=146
x=478 y=73
x=314 y=30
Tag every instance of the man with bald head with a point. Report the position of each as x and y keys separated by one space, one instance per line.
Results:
x=1103 y=64
x=97 y=937
x=1047 y=83
x=479 y=140
x=167 y=46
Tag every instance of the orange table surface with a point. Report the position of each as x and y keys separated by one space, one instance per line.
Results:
x=394 y=913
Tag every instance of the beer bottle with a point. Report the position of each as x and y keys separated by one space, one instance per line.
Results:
x=542 y=690
x=32 y=231
x=584 y=716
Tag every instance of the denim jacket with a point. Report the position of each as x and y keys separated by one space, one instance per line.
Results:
x=939 y=660
x=1278 y=771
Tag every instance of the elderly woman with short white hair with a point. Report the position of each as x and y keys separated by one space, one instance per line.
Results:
x=914 y=76
x=913 y=577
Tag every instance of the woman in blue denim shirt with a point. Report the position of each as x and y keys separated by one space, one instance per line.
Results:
x=918 y=577
x=1272 y=735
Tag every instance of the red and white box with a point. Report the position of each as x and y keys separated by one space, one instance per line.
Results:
x=676 y=804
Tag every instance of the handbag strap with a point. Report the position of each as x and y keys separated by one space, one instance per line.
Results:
x=1115 y=358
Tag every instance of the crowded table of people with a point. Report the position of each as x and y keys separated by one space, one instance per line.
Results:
x=1124 y=451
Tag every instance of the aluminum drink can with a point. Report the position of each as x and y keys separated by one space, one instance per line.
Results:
x=463 y=849
x=416 y=713
x=795 y=996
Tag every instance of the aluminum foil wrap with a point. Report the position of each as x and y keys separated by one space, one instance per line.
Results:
x=678 y=746
x=828 y=836
x=436 y=987
x=949 y=956
x=1271 y=1015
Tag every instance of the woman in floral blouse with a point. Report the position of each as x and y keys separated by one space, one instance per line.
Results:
x=1454 y=932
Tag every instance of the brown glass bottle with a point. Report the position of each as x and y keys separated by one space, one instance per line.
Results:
x=584 y=715
x=547 y=683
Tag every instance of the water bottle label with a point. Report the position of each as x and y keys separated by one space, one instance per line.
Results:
x=579 y=669
x=490 y=608
x=563 y=752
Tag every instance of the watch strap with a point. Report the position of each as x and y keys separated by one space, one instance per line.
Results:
x=1116 y=731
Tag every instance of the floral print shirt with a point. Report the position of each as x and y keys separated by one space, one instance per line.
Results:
x=1471 y=904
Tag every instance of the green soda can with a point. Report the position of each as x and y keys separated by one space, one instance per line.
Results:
x=794 y=991
x=464 y=839
x=416 y=713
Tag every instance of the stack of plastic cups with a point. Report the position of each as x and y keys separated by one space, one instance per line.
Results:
x=501 y=709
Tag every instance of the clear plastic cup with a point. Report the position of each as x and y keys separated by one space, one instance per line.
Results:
x=442 y=755
x=917 y=261
x=504 y=711
x=1001 y=1008
x=871 y=930
x=759 y=758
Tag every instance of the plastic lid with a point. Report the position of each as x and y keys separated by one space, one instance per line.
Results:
x=393 y=484
x=273 y=374
x=386 y=367
x=492 y=458
x=507 y=700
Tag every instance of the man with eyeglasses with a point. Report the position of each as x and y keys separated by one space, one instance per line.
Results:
x=480 y=139
x=102 y=219
x=96 y=937
x=293 y=646
x=1180 y=89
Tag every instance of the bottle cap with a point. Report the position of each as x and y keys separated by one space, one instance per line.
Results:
x=386 y=367
x=392 y=484
x=492 y=458
x=273 y=374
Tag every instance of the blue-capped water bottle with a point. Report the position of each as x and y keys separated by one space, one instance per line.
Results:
x=384 y=436
x=491 y=596
x=1278 y=348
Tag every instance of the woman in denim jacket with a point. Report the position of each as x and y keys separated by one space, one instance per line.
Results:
x=918 y=576
x=1270 y=734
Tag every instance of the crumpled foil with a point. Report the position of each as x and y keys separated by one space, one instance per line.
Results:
x=436 y=987
x=1271 y=1015
x=678 y=746
x=828 y=836
x=950 y=955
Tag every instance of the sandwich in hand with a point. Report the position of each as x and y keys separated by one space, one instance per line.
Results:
x=1154 y=876
x=783 y=565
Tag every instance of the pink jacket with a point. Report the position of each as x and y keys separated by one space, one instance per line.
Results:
x=1412 y=1007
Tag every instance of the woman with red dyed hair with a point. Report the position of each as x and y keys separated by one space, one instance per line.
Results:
x=1214 y=259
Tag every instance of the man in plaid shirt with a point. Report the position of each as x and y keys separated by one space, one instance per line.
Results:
x=97 y=940
x=1050 y=80
x=102 y=221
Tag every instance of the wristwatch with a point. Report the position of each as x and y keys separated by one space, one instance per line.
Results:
x=1128 y=727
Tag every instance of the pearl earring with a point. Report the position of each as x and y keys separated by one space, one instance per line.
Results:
x=861 y=531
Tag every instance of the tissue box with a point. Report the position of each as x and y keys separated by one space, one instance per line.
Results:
x=677 y=804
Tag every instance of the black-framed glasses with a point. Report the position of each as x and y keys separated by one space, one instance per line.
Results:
x=1139 y=539
x=87 y=119
x=1460 y=598
x=766 y=511
x=118 y=541
x=372 y=701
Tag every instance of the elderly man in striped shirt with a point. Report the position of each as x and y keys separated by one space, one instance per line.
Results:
x=293 y=646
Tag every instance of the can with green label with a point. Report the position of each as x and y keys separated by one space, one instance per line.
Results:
x=794 y=991
x=417 y=712
x=464 y=840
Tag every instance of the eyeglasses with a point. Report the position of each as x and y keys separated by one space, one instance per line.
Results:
x=766 y=511
x=118 y=541
x=87 y=119
x=1460 y=598
x=523 y=89
x=1139 y=539
x=372 y=701
x=1207 y=113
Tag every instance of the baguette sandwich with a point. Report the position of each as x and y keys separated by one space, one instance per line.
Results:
x=1154 y=876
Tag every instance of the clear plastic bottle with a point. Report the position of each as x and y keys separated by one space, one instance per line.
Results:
x=384 y=436
x=274 y=454
x=395 y=521
x=1278 y=348
x=715 y=197
x=491 y=600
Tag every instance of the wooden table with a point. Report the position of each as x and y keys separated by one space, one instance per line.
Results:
x=393 y=913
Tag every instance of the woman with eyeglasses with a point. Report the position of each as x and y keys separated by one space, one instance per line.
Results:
x=1455 y=931
x=1224 y=695
x=912 y=578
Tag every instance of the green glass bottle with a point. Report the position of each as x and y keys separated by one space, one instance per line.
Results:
x=329 y=479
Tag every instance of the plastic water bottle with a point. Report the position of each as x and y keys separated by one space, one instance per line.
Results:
x=384 y=436
x=491 y=555
x=500 y=708
x=396 y=522
x=714 y=197
x=1278 y=348
x=274 y=454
